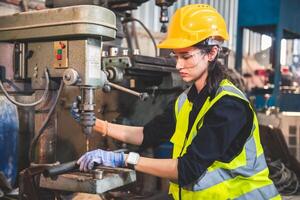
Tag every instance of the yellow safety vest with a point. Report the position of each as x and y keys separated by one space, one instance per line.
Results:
x=245 y=177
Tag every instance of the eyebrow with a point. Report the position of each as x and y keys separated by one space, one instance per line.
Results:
x=183 y=52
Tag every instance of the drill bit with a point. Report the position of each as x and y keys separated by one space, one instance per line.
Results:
x=87 y=143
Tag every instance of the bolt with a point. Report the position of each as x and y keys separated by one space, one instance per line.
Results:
x=67 y=77
x=98 y=174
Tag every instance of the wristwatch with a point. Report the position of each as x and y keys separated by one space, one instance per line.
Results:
x=132 y=159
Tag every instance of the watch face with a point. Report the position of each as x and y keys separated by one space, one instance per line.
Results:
x=133 y=158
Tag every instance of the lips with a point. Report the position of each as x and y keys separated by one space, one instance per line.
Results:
x=182 y=74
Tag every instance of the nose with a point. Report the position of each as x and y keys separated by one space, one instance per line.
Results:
x=179 y=64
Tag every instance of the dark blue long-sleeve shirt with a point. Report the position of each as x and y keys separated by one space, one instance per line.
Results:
x=226 y=127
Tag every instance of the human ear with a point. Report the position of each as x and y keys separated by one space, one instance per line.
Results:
x=213 y=53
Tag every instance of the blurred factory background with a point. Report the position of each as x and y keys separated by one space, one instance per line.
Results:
x=263 y=54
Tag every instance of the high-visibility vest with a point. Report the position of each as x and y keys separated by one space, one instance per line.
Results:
x=245 y=177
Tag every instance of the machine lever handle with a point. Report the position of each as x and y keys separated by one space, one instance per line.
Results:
x=143 y=96
x=60 y=169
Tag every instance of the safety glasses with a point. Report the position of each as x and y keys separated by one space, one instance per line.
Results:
x=187 y=60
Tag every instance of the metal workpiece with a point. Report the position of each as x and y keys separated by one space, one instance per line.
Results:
x=98 y=181
x=54 y=24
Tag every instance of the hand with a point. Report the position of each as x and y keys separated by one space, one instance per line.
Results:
x=106 y=158
x=75 y=113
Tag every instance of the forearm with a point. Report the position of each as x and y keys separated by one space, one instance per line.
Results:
x=164 y=168
x=127 y=134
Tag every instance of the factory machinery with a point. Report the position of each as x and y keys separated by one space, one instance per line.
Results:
x=277 y=102
x=74 y=49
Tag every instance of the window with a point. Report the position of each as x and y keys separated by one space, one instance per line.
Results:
x=292 y=130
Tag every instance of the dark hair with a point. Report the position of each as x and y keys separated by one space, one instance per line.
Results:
x=216 y=71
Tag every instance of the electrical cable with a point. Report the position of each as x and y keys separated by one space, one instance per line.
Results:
x=146 y=29
x=28 y=104
x=1 y=193
x=41 y=130
x=285 y=180
x=127 y=36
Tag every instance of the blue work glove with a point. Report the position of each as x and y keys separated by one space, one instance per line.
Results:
x=75 y=113
x=106 y=158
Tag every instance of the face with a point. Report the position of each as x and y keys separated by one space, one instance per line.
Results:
x=192 y=63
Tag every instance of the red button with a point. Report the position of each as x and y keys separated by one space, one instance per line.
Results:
x=58 y=56
x=62 y=45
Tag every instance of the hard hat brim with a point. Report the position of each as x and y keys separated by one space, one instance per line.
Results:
x=175 y=43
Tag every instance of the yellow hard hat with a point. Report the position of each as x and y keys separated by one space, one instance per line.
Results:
x=192 y=24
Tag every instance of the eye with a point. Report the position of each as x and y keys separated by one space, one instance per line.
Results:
x=186 y=56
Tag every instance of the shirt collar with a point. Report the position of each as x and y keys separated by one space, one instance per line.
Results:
x=196 y=98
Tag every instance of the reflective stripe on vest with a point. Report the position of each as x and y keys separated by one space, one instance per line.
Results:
x=183 y=96
x=219 y=175
x=181 y=100
x=267 y=192
x=249 y=164
x=232 y=89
